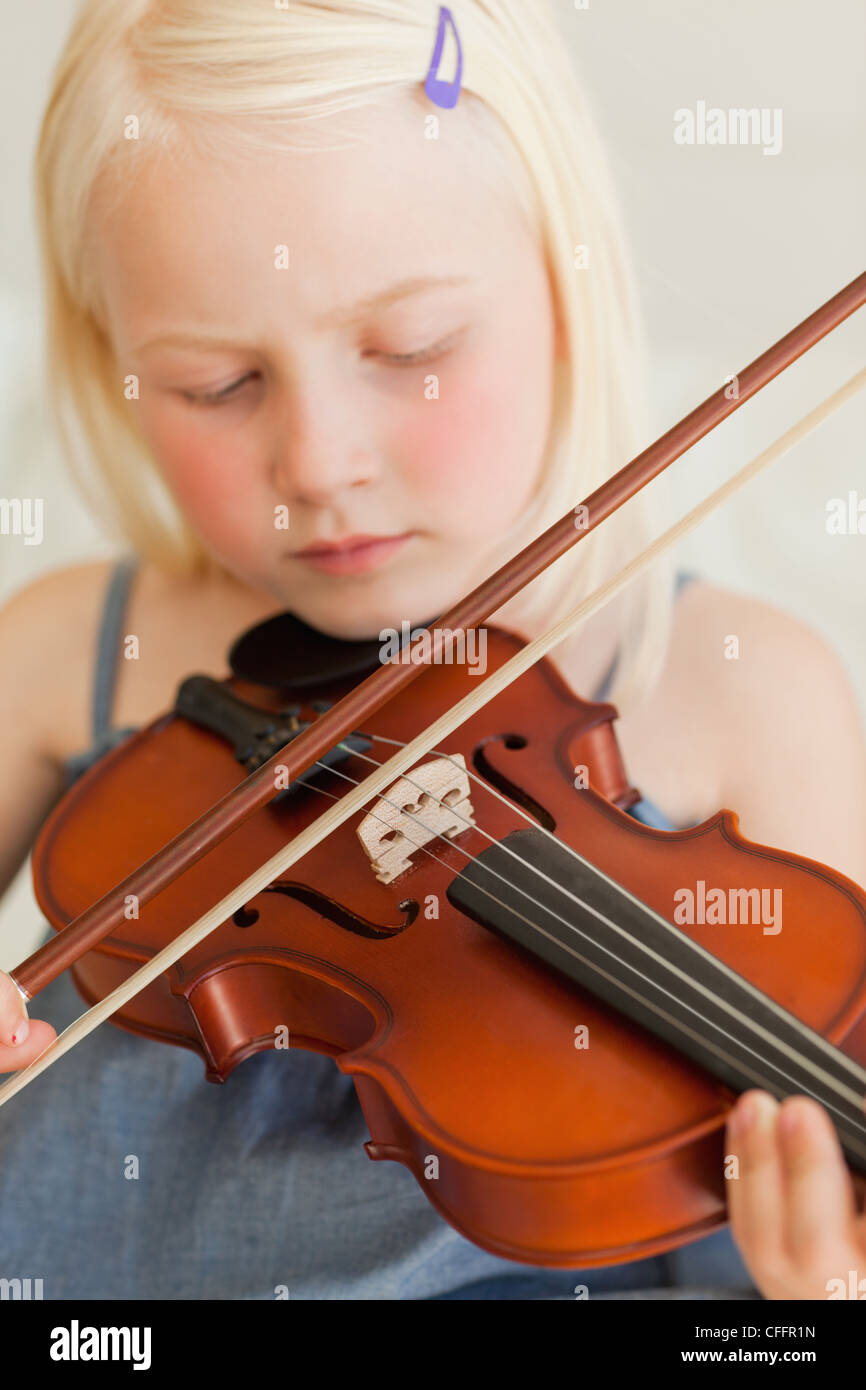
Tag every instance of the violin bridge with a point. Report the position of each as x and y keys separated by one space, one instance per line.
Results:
x=432 y=801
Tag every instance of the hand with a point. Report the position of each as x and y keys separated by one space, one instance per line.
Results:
x=792 y=1209
x=21 y=1039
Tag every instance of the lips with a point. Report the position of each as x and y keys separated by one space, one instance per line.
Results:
x=352 y=554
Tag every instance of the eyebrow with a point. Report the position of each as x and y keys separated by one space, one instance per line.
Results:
x=346 y=315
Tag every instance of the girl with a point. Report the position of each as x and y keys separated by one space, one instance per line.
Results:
x=278 y=277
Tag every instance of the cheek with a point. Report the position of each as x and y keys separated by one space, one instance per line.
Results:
x=205 y=474
x=478 y=450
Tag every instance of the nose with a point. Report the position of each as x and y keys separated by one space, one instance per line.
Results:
x=318 y=452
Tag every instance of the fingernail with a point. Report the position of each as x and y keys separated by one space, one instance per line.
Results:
x=743 y=1116
x=750 y=1109
x=765 y=1111
x=22 y=1032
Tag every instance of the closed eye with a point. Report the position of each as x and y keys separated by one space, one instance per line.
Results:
x=225 y=393
x=410 y=359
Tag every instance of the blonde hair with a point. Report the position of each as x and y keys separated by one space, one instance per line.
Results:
x=267 y=67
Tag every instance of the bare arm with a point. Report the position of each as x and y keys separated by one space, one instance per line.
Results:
x=42 y=645
x=31 y=674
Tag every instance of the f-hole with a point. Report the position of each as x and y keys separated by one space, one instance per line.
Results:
x=335 y=912
x=513 y=742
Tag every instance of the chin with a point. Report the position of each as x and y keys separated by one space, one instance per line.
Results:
x=360 y=630
x=365 y=623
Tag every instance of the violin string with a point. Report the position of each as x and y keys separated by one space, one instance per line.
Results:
x=844 y=1123
x=827 y=1080
x=758 y=1078
x=858 y=1073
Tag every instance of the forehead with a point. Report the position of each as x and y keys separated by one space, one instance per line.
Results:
x=372 y=202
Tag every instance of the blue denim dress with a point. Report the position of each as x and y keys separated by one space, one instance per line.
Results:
x=125 y=1175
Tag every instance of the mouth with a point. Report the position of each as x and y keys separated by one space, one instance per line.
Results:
x=352 y=554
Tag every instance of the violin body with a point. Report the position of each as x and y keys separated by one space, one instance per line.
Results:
x=540 y=1123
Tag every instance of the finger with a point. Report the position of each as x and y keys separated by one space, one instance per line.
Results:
x=15 y=1058
x=755 y=1197
x=818 y=1195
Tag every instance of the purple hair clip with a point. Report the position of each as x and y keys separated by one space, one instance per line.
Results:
x=441 y=93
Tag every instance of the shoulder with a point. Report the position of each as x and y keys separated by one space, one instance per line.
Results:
x=783 y=722
x=751 y=658
x=54 y=610
x=48 y=637
x=738 y=642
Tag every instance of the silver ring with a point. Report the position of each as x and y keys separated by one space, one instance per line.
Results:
x=24 y=995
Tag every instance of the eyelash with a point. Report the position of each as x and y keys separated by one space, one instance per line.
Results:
x=409 y=359
x=218 y=397
x=399 y=359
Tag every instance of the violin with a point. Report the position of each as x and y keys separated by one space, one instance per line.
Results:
x=547 y=1008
